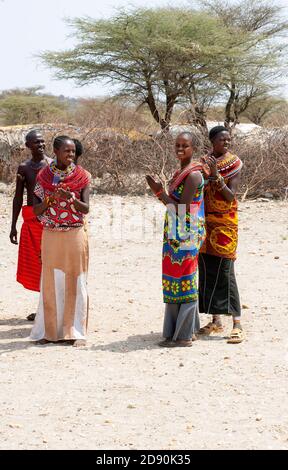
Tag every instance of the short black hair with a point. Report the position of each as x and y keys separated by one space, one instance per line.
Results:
x=60 y=140
x=31 y=134
x=195 y=139
x=79 y=149
x=216 y=130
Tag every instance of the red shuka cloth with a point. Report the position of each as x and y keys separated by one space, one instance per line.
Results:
x=75 y=181
x=29 y=255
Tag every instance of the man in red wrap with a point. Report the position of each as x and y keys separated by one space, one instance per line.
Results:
x=29 y=261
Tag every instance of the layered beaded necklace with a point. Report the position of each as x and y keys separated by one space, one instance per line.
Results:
x=59 y=175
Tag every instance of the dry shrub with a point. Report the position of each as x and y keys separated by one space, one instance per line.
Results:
x=13 y=150
x=265 y=171
x=119 y=163
x=118 y=160
x=101 y=115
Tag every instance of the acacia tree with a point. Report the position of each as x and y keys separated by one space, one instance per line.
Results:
x=267 y=107
x=171 y=56
x=154 y=57
x=254 y=74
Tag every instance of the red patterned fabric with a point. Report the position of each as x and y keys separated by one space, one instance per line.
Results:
x=29 y=255
x=61 y=215
x=76 y=180
x=180 y=175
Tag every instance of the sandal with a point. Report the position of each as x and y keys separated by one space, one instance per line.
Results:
x=31 y=317
x=165 y=343
x=210 y=328
x=184 y=343
x=42 y=341
x=236 y=336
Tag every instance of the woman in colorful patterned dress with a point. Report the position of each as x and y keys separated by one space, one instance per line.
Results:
x=61 y=200
x=184 y=232
x=218 y=291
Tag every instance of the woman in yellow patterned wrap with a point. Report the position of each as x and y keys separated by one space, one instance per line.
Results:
x=218 y=291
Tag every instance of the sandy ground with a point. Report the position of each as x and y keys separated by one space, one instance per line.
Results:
x=123 y=391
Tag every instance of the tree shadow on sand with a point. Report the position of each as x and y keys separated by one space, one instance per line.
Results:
x=22 y=335
x=212 y=338
x=17 y=331
x=132 y=343
x=144 y=342
x=14 y=321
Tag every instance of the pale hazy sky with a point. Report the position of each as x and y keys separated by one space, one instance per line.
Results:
x=28 y=27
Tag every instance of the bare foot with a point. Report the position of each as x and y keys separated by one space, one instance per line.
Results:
x=31 y=317
x=79 y=343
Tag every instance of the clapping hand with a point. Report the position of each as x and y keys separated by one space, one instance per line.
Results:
x=155 y=186
x=62 y=191
x=212 y=163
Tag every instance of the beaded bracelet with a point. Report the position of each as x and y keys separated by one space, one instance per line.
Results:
x=220 y=181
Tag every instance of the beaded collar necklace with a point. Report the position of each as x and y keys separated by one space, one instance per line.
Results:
x=59 y=175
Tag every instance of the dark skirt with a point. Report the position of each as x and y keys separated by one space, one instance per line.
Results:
x=218 y=291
